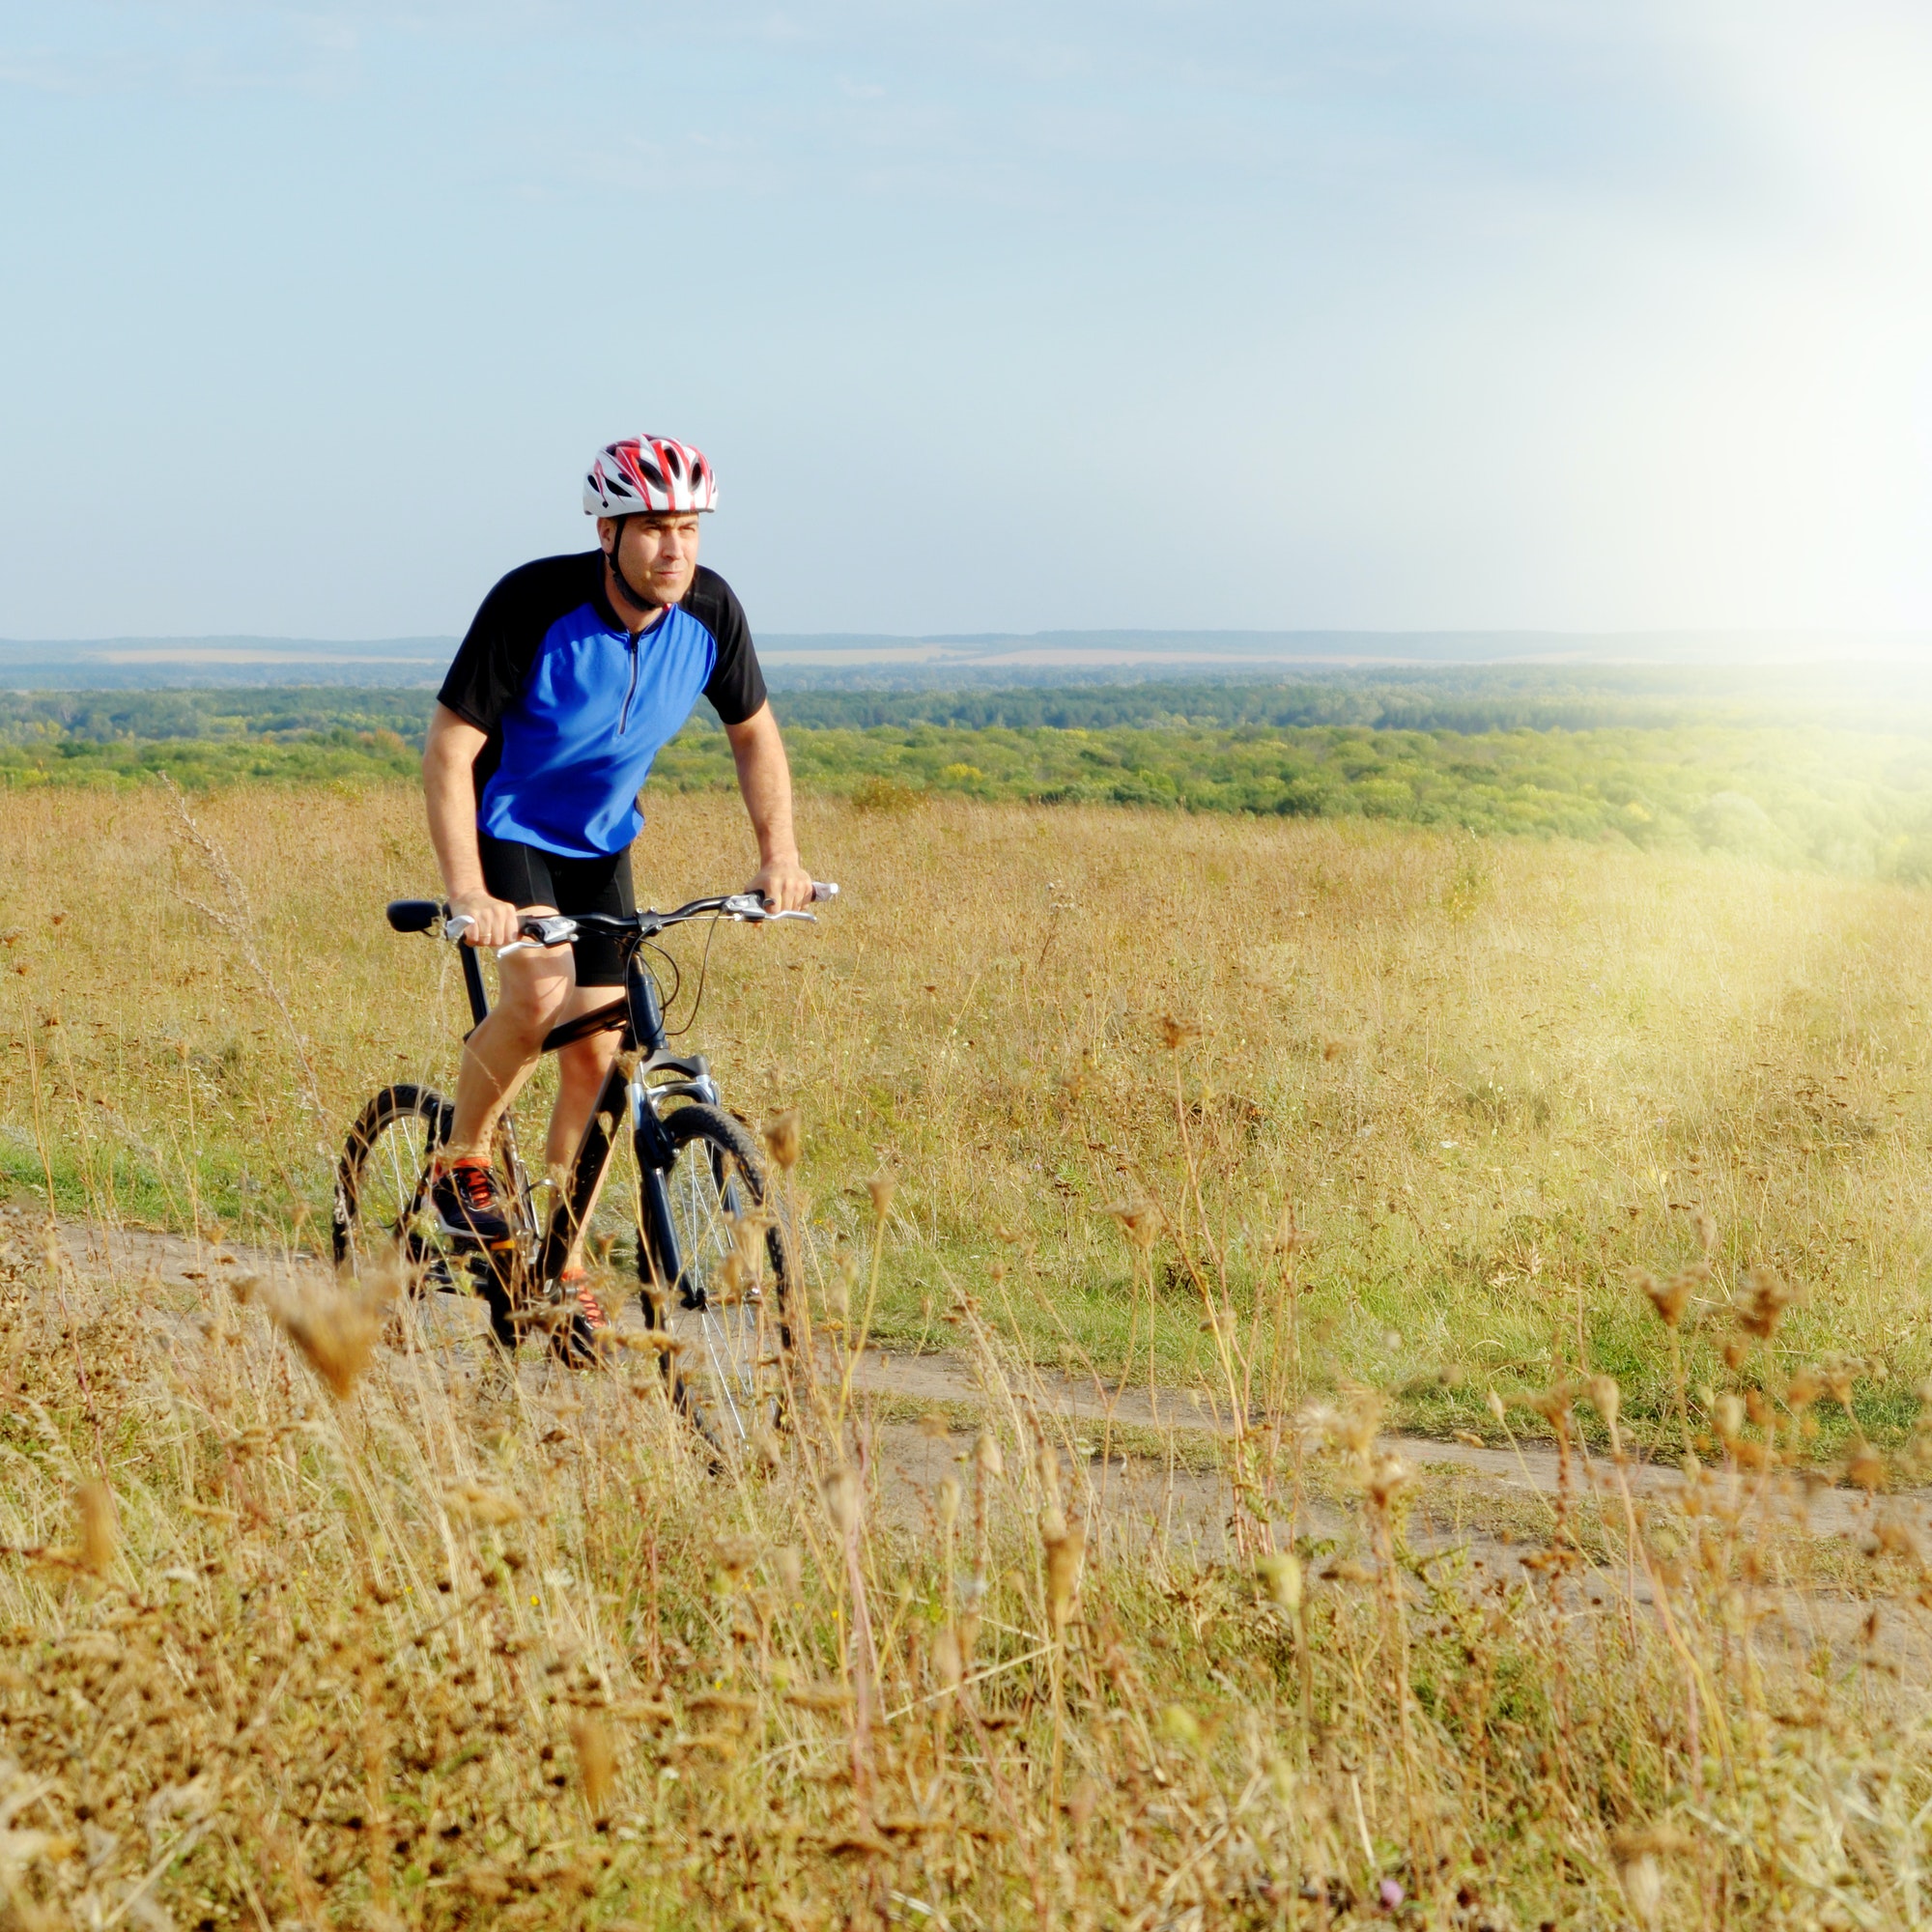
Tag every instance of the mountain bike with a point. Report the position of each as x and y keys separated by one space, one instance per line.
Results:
x=714 y=1262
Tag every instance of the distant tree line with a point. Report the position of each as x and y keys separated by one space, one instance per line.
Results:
x=1848 y=801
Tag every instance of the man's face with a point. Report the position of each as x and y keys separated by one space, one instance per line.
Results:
x=659 y=554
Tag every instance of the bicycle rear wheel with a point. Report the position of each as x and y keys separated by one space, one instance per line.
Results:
x=383 y=1220
x=728 y=1297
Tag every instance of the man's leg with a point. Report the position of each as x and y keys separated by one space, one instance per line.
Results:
x=531 y=993
x=581 y=1068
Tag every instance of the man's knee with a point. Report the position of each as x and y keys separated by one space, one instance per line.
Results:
x=531 y=998
x=583 y=1063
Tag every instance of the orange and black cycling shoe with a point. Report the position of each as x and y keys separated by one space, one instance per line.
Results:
x=580 y=1337
x=467 y=1204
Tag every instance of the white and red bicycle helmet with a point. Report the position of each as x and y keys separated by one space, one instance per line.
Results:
x=646 y=474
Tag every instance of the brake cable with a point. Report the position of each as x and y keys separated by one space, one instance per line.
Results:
x=704 y=968
x=665 y=1000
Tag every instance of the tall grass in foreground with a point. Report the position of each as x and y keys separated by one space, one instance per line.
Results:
x=1488 y=1084
x=314 y=1615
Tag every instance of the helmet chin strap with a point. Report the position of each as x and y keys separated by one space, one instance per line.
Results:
x=637 y=597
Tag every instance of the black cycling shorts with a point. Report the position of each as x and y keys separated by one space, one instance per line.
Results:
x=527 y=876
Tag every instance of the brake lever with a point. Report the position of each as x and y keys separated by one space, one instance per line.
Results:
x=751 y=909
x=541 y=935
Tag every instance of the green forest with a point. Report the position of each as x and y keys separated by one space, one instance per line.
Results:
x=1475 y=751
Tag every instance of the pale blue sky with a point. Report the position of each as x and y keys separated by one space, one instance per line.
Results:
x=1410 y=313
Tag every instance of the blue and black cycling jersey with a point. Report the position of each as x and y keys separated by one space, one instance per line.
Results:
x=577 y=708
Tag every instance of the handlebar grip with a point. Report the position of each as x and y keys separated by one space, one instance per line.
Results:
x=822 y=890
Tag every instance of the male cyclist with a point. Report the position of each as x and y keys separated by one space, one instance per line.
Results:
x=577 y=669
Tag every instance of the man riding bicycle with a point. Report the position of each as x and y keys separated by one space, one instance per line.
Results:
x=576 y=672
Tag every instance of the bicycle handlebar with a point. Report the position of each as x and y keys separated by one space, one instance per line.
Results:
x=541 y=934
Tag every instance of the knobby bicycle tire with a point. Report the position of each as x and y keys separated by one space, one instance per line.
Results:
x=381 y=1216
x=732 y=1308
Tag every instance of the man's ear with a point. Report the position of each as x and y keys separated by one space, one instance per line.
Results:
x=606 y=534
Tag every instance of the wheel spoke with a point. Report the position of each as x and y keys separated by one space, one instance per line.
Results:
x=710 y=1189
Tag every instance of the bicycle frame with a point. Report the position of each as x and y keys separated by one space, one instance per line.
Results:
x=643 y=1050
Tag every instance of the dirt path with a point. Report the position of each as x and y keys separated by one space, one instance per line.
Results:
x=949 y=1383
x=1490 y=1507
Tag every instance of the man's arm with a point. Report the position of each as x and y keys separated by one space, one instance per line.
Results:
x=449 y=788
x=764 y=776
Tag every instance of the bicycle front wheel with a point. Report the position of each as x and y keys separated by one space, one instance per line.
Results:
x=725 y=1295
x=382 y=1218
x=382 y=1188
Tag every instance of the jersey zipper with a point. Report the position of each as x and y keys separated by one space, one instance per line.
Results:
x=624 y=716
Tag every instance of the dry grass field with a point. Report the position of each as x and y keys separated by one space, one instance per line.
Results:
x=314 y=1619
x=1487 y=1083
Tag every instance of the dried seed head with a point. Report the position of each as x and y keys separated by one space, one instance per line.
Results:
x=842 y=1499
x=1179 y=1726
x=949 y=1501
x=335 y=1330
x=1805 y=1390
x=1064 y=1554
x=727 y=1287
x=881 y=1187
x=1764 y=1306
x=1555 y=1404
x=747 y=1233
x=824 y=1698
x=1360 y=1421
x=782 y=1138
x=1706 y=1231
x=492 y=1507
x=1176 y=1034
x=1281 y=1575
x=596 y=1761
x=1497 y=1409
x=1388 y=1480
x=1642 y=1879
x=838 y=1297
x=1730 y=1417
x=100 y=1529
x=1672 y=1300
x=948 y=1662
x=1866 y=1469
x=1137 y=1218
x=986 y=1457
x=1640 y=1856
x=934 y=1427
x=1605 y=1398
x=789 y=1564
x=736 y=1556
